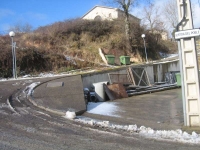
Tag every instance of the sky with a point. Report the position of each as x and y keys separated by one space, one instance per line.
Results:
x=44 y=12
x=195 y=4
x=41 y=12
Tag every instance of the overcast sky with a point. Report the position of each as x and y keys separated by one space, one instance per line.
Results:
x=43 y=12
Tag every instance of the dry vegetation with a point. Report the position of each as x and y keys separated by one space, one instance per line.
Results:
x=44 y=49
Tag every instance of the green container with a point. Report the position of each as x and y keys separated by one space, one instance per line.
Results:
x=178 y=79
x=110 y=59
x=125 y=60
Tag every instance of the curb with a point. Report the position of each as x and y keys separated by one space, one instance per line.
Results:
x=57 y=112
x=44 y=108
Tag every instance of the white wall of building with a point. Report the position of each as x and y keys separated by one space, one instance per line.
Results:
x=105 y=13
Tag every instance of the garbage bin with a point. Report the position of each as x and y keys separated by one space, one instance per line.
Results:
x=178 y=79
x=110 y=59
x=125 y=60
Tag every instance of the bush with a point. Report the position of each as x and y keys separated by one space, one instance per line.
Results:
x=43 y=49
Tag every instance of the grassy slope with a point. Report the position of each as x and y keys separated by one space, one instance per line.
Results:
x=44 y=49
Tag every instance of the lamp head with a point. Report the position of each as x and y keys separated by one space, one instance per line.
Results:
x=12 y=34
x=143 y=35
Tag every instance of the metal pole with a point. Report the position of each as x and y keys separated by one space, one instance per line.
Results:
x=145 y=50
x=182 y=83
x=13 y=59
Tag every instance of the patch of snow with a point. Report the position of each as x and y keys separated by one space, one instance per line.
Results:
x=168 y=135
x=43 y=113
x=46 y=75
x=12 y=108
x=132 y=128
x=70 y=115
x=26 y=76
x=102 y=108
x=172 y=55
x=92 y=71
x=164 y=55
x=29 y=89
x=163 y=62
x=3 y=79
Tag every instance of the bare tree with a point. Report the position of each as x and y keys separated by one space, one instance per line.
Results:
x=27 y=28
x=151 y=18
x=21 y=28
x=171 y=13
x=125 y=5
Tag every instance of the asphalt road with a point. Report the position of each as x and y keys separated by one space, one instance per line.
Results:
x=28 y=128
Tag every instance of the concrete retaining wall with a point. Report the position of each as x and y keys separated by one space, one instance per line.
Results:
x=155 y=71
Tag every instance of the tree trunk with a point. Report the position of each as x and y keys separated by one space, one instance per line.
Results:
x=125 y=4
x=127 y=32
x=127 y=26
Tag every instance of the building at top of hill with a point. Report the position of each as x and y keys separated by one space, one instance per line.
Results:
x=107 y=13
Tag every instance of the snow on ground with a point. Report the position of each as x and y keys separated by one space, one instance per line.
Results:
x=164 y=55
x=46 y=75
x=171 y=55
x=163 y=135
x=102 y=108
x=29 y=89
x=41 y=75
x=110 y=109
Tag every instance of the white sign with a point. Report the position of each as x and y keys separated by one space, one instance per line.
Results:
x=187 y=33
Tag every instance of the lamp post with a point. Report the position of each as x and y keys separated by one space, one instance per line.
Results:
x=143 y=36
x=14 y=46
x=12 y=34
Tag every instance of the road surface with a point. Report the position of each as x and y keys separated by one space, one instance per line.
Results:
x=27 y=127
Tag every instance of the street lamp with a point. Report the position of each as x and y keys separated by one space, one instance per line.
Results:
x=143 y=36
x=12 y=34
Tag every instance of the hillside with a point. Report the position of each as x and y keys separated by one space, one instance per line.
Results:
x=74 y=44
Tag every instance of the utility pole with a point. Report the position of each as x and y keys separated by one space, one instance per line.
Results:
x=188 y=64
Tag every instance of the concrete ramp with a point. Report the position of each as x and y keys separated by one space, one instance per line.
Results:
x=61 y=95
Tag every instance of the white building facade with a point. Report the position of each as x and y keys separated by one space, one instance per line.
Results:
x=107 y=13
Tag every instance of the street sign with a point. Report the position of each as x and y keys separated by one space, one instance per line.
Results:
x=187 y=33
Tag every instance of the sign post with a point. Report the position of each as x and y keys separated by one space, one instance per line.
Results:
x=187 y=34
x=188 y=63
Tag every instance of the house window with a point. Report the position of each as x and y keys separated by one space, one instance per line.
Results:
x=98 y=18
